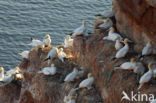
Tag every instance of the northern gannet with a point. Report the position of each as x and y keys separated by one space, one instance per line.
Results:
x=147 y=50
x=106 y=14
x=71 y=76
x=81 y=30
x=49 y=70
x=139 y=68
x=127 y=65
x=106 y=24
x=36 y=43
x=87 y=83
x=123 y=51
x=61 y=54
x=146 y=77
x=52 y=54
x=68 y=42
x=24 y=54
x=112 y=35
x=47 y=40
x=1 y=73
x=118 y=44
x=13 y=71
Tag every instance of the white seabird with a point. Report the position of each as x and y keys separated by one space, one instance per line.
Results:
x=127 y=65
x=61 y=54
x=118 y=44
x=71 y=76
x=68 y=42
x=147 y=50
x=106 y=24
x=24 y=54
x=49 y=70
x=146 y=77
x=87 y=83
x=36 y=42
x=112 y=35
x=106 y=14
x=7 y=78
x=52 y=54
x=47 y=40
x=123 y=51
x=1 y=73
x=81 y=30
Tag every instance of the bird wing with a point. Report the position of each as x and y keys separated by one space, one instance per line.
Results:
x=146 y=50
x=146 y=77
x=70 y=77
x=122 y=52
x=85 y=83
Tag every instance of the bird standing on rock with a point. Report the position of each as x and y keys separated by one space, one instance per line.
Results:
x=127 y=65
x=123 y=51
x=61 y=54
x=68 y=42
x=146 y=77
x=47 y=40
x=49 y=70
x=87 y=83
x=52 y=54
x=112 y=35
x=24 y=54
x=71 y=76
x=81 y=30
x=106 y=24
x=147 y=50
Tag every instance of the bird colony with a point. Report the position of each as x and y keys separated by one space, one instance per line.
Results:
x=121 y=46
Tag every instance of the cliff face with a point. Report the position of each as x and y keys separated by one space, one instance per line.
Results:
x=135 y=19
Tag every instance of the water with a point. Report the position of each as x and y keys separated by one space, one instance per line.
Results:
x=22 y=19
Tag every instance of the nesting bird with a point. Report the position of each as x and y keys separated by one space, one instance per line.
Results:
x=146 y=77
x=106 y=14
x=107 y=23
x=87 y=83
x=123 y=51
x=49 y=70
x=147 y=50
x=81 y=30
x=24 y=54
x=52 y=54
x=68 y=42
x=61 y=54
x=112 y=35
x=118 y=44
x=71 y=76
x=47 y=40
x=127 y=65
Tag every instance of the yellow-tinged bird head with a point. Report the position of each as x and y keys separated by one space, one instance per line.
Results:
x=68 y=37
x=150 y=65
x=112 y=29
x=89 y=75
x=47 y=36
x=125 y=41
x=19 y=76
x=1 y=69
x=132 y=60
x=75 y=69
x=83 y=22
x=149 y=43
x=17 y=69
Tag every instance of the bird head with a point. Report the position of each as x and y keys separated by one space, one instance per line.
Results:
x=149 y=43
x=19 y=76
x=125 y=41
x=17 y=69
x=68 y=37
x=1 y=69
x=89 y=75
x=150 y=65
x=83 y=22
x=47 y=36
x=132 y=60
x=111 y=29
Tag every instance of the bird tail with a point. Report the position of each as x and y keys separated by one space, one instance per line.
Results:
x=114 y=58
x=98 y=15
x=140 y=86
x=47 y=59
